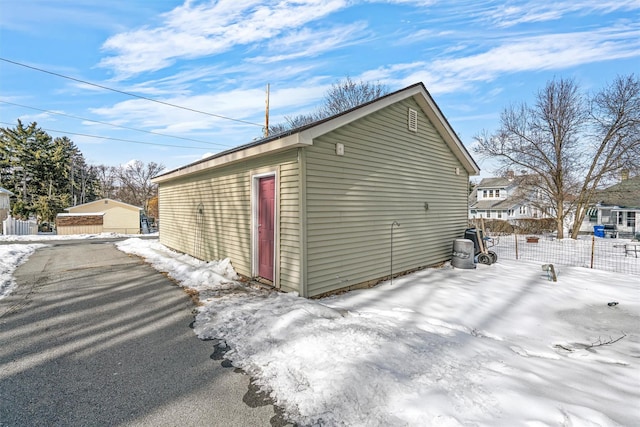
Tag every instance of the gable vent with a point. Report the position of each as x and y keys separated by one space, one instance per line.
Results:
x=412 y=120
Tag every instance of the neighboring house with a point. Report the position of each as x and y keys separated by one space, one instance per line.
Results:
x=619 y=206
x=506 y=198
x=312 y=210
x=5 y=206
x=100 y=216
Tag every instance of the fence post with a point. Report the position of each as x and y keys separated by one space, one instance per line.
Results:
x=593 y=247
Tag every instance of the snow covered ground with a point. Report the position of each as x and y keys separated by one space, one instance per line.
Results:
x=499 y=345
x=586 y=251
x=11 y=256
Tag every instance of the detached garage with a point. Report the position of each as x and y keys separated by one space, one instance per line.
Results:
x=313 y=210
x=100 y=216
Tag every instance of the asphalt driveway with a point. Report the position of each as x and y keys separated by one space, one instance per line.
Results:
x=93 y=336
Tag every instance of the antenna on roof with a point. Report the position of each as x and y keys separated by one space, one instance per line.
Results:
x=266 y=116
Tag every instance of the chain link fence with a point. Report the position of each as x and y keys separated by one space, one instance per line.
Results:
x=617 y=255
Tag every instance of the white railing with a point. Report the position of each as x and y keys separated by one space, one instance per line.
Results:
x=12 y=226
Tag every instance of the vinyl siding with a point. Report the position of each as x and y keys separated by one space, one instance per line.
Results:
x=223 y=228
x=79 y=229
x=386 y=175
x=118 y=217
x=121 y=220
x=289 y=249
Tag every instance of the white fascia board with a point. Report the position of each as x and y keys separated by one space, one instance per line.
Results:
x=442 y=126
x=280 y=144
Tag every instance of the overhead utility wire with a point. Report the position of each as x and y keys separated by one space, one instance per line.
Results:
x=130 y=94
x=114 y=139
x=109 y=124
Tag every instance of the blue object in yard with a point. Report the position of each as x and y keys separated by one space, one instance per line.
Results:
x=598 y=230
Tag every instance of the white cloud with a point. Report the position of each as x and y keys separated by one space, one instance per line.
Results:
x=515 y=13
x=305 y=43
x=546 y=52
x=519 y=54
x=244 y=104
x=192 y=31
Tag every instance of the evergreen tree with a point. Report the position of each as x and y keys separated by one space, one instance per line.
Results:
x=45 y=174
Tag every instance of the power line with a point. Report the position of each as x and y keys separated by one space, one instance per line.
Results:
x=129 y=93
x=114 y=139
x=109 y=124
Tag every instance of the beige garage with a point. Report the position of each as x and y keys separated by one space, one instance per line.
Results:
x=100 y=216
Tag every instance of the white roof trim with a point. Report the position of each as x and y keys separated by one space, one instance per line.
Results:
x=306 y=136
x=82 y=214
x=281 y=144
x=101 y=201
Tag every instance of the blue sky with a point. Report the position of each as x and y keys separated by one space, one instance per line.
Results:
x=475 y=58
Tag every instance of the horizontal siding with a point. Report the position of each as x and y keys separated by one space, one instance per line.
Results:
x=79 y=229
x=223 y=229
x=290 y=276
x=386 y=174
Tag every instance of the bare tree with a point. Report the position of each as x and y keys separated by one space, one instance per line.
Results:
x=135 y=186
x=106 y=177
x=571 y=142
x=293 y=122
x=347 y=94
x=342 y=96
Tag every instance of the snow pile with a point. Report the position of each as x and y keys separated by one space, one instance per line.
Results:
x=442 y=347
x=11 y=256
x=208 y=278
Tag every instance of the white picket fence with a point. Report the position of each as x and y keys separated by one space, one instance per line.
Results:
x=12 y=226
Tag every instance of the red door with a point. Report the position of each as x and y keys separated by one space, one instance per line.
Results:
x=266 y=229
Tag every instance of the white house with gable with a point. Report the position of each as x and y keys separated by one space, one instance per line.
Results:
x=507 y=198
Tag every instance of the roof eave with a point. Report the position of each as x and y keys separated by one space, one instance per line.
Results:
x=305 y=135
x=274 y=146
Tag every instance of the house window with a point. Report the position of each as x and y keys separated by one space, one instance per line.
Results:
x=484 y=194
x=619 y=215
x=497 y=193
x=523 y=210
x=631 y=219
x=499 y=214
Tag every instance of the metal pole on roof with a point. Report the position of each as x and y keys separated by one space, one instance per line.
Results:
x=266 y=116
